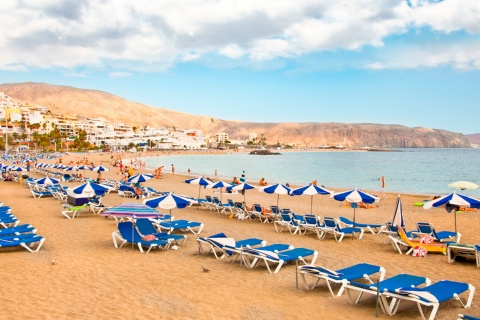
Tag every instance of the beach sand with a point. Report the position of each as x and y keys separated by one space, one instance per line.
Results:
x=93 y=280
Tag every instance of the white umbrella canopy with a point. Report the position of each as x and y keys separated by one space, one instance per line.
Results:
x=310 y=190
x=463 y=185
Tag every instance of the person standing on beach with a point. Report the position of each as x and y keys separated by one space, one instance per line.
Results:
x=173 y=169
x=216 y=174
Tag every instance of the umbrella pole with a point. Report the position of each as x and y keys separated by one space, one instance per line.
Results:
x=278 y=197
x=311 y=204
x=199 y=186
x=353 y=227
x=133 y=234
x=455 y=225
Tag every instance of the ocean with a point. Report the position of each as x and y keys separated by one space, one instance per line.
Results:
x=411 y=171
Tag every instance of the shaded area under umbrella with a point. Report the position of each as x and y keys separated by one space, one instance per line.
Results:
x=242 y=187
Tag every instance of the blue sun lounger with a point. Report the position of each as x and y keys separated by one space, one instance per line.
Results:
x=434 y=294
x=145 y=227
x=24 y=228
x=384 y=288
x=278 y=254
x=26 y=241
x=182 y=225
x=372 y=227
x=127 y=233
x=342 y=276
x=426 y=228
x=227 y=246
x=333 y=227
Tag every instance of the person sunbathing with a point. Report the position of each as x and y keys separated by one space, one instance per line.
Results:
x=262 y=182
x=366 y=206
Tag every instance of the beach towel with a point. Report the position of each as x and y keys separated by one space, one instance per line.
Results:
x=419 y=252
x=426 y=239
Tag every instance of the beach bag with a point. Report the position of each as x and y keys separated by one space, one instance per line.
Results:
x=149 y=237
x=426 y=239
x=241 y=216
x=419 y=252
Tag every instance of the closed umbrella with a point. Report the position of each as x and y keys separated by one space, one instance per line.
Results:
x=355 y=196
x=397 y=220
x=451 y=202
x=277 y=189
x=310 y=190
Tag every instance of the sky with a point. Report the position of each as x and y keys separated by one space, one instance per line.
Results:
x=409 y=62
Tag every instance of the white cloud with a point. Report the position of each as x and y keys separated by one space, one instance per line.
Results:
x=119 y=74
x=152 y=35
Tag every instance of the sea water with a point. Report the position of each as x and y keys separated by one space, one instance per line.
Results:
x=412 y=171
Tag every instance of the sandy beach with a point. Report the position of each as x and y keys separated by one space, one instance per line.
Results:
x=94 y=280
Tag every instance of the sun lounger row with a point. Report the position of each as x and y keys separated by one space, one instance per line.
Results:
x=146 y=233
x=254 y=251
x=391 y=291
x=12 y=234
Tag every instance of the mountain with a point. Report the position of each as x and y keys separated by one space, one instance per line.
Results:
x=74 y=101
x=473 y=138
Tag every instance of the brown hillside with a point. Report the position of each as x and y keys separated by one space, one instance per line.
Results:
x=74 y=101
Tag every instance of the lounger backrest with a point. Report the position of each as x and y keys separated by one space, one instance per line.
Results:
x=208 y=198
x=275 y=209
x=286 y=217
x=425 y=227
x=311 y=219
x=126 y=230
x=330 y=222
x=145 y=226
x=231 y=203
x=257 y=208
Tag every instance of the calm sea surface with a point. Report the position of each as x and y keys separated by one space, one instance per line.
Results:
x=413 y=171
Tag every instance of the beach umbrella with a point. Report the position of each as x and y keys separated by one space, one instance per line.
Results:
x=354 y=196
x=16 y=168
x=463 y=185
x=134 y=211
x=310 y=190
x=452 y=201
x=99 y=168
x=397 y=220
x=241 y=187
x=277 y=189
x=90 y=189
x=138 y=178
x=200 y=181
x=220 y=184
x=169 y=202
x=47 y=181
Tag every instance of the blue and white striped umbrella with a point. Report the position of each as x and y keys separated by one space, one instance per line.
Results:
x=169 y=202
x=90 y=189
x=141 y=177
x=99 y=168
x=47 y=181
x=241 y=187
x=451 y=201
x=16 y=168
x=220 y=184
x=310 y=190
x=354 y=196
x=277 y=189
x=200 y=181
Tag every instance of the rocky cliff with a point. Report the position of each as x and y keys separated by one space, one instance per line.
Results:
x=74 y=101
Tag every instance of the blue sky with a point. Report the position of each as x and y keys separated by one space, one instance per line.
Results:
x=414 y=63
